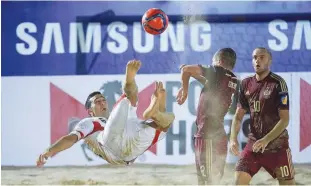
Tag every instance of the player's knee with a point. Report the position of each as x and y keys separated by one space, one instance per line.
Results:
x=242 y=178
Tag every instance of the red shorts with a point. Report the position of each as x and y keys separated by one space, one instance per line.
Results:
x=210 y=158
x=278 y=164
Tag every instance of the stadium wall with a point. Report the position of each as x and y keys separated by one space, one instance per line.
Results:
x=38 y=110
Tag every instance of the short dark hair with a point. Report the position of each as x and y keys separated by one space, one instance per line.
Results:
x=88 y=102
x=267 y=50
x=227 y=55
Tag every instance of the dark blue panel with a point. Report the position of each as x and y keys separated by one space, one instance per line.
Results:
x=243 y=35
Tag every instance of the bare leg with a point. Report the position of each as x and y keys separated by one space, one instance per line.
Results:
x=242 y=178
x=156 y=109
x=130 y=87
x=287 y=182
x=162 y=104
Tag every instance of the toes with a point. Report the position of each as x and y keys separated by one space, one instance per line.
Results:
x=160 y=85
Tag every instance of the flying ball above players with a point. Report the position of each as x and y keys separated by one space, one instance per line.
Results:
x=154 y=21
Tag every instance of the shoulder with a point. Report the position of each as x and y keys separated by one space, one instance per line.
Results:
x=229 y=73
x=281 y=83
x=88 y=120
x=210 y=67
x=247 y=79
x=92 y=120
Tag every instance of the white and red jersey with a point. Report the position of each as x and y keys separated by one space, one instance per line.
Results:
x=121 y=138
x=89 y=129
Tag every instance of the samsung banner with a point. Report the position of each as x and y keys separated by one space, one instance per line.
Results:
x=68 y=38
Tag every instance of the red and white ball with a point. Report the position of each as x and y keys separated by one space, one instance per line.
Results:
x=155 y=21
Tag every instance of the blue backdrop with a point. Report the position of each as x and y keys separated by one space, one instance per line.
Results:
x=38 y=37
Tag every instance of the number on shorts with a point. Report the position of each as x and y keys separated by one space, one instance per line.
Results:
x=202 y=169
x=257 y=106
x=284 y=171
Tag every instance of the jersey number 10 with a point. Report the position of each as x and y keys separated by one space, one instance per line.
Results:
x=284 y=171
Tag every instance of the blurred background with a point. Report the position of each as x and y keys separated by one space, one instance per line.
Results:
x=55 y=53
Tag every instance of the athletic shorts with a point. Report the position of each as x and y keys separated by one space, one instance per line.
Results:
x=127 y=135
x=278 y=164
x=210 y=158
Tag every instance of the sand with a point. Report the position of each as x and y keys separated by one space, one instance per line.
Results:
x=132 y=175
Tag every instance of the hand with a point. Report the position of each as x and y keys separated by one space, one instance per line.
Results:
x=234 y=147
x=42 y=158
x=181 y=96
x=260 y=144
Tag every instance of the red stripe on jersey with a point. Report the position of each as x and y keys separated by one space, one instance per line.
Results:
x=82 y=135
x=119 y=100
x=156 y=137
x=154 y=141
x=97 y=127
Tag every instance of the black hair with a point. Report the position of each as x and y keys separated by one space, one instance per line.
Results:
x=88 y=102
x=227 y=55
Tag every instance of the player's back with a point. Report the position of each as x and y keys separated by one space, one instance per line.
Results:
x=215 y=100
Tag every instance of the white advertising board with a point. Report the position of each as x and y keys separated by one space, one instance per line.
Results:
x=36 y=110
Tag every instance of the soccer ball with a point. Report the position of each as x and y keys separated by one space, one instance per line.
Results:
x=155 y=21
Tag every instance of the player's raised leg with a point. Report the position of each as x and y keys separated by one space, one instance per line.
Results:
x=162 y=98
x=162 y=104
x=129 y=86
x=156 y=108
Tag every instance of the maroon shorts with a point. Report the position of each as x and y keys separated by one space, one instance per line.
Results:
x=278 y=164
x=210 y=158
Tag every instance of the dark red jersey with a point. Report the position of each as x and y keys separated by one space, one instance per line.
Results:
x=264 y=99
x=215 y=100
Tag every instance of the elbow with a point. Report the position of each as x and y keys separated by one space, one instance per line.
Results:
x=70 y=139
x=237 y=118
x=185 y=69
x=285 y=122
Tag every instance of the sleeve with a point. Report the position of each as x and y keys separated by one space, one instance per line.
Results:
x=242 y=100
x=209 y=71
x=235 y=98
x=83 y=128
x=282 y=98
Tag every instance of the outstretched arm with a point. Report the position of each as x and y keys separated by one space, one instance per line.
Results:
x=63 y=143
x=129 y=86
x=194 y=71
x=84 y=128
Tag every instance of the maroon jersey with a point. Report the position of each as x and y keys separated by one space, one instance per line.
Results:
x=264 y=99
x=215 y=100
